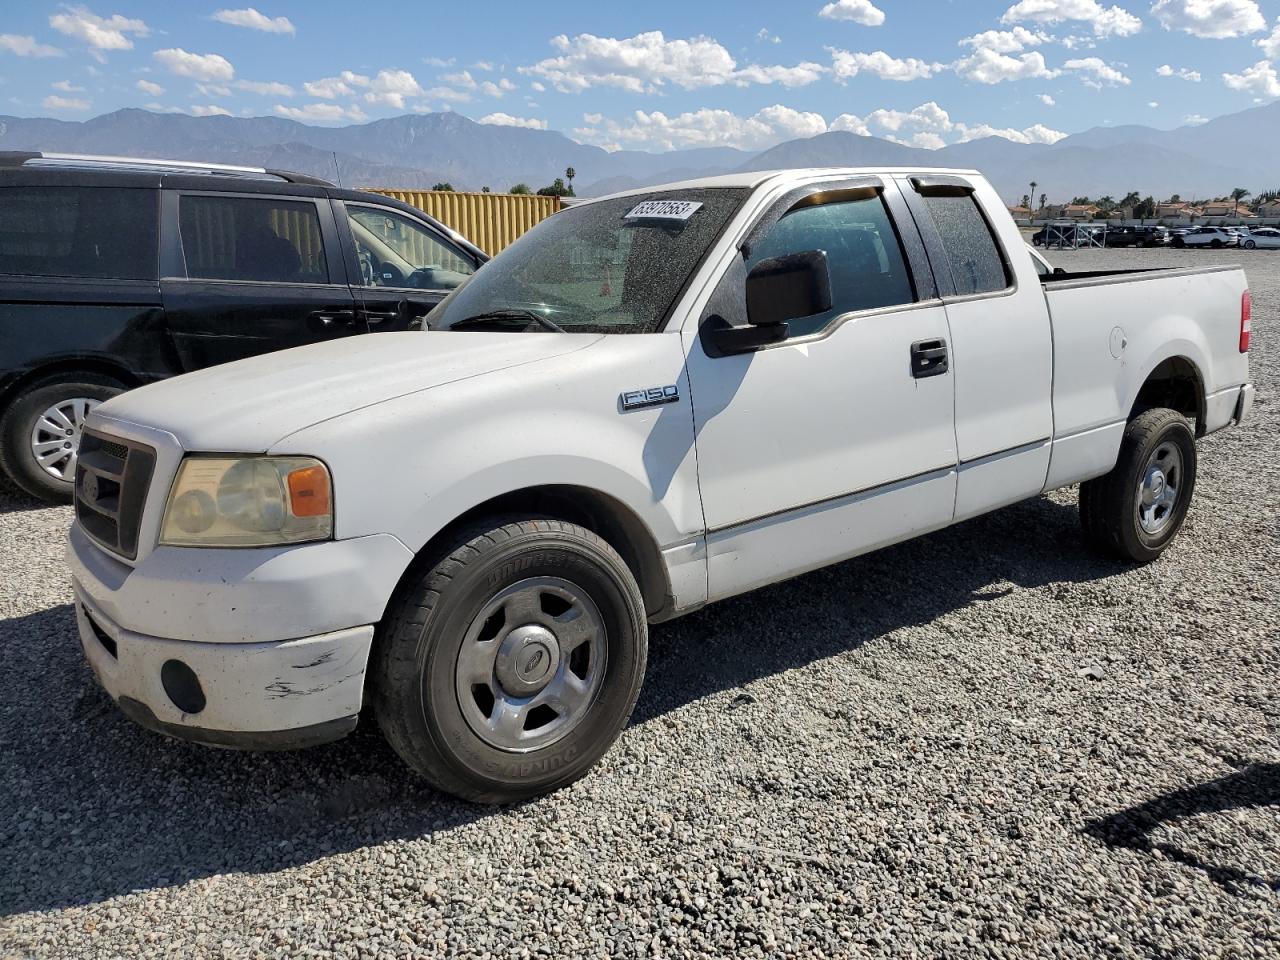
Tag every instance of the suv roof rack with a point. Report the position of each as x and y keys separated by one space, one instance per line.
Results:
x=18 y=158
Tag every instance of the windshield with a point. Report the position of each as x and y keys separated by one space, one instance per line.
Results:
x=613 y=266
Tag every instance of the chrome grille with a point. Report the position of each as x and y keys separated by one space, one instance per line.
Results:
x=112 y=478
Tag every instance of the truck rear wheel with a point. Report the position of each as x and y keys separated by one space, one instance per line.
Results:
x=510 y=667
x=1134 y=512
x=40 y=432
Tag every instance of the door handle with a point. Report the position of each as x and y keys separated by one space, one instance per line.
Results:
x=327 y=319
x=928 y=358
x=402 y=313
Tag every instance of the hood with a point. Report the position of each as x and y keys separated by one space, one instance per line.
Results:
x=248 y=405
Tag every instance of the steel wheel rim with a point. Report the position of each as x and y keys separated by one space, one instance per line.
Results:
x=55 y=438
x=531 y=664
x=1159 y=488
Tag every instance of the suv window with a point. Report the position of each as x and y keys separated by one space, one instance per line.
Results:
x=396 y=251
x=78 y=232
x=243 y=238
x=864 y=256
x=977 y=266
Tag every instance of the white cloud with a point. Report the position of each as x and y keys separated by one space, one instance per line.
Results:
x=447 y=94
x=537 y=87
x=66 y=86
x=1271 y=45
x=1182 y=73
x=845 y=65
x=161 y=108
x=1006 y=41
x=1036 y=133
x=506 y=120
x=27 y=46
x=149 y=88
x=321 y=111
x=1105 y=21
x=499 y=89
x=1210 y=19
x=929 y=126
x=391 y=87
x=266 y=88
x=1047 y=100
x=100 y=33
x=211 y=110
x=213 y=90
x=1260 y=80
x=439 y=62
x=987 y=66
x=648 y=61
x=462 y=79
x=858 y=11
x=487 y=65
x=1153 y=104
x=705 y=128
x=851 y=123
x=764 y=36
x=1097 y=73
x=55 y=102
x=198 y=66
x=1194 y=119
x=330 y=88
x=251 y=18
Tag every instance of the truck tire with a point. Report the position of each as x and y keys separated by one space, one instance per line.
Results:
x=1250 y=244
x=1179 y=242
x=1134 y=512
x=509 y=667
x=40 y=432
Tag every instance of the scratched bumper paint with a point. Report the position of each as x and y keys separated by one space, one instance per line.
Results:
x=248 y=687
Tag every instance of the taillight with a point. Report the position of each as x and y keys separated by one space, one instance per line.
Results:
x=1246 y=320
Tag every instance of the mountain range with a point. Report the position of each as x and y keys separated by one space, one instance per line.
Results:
x=415 y=151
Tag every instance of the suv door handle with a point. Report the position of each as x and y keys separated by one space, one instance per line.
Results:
x=326 y=319
x=928 y=358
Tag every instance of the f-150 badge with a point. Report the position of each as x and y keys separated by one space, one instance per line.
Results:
x=649 y=397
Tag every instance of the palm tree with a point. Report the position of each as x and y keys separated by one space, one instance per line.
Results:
x=569 y=174
x=1033 y=193
x=1238 y=194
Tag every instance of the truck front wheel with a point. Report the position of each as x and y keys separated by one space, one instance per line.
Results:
x=1135 y=511
x=510 y=667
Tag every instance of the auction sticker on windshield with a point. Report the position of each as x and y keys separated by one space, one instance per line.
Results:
x=663 y=210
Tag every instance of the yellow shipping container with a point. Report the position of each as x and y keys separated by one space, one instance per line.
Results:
x=492 y=221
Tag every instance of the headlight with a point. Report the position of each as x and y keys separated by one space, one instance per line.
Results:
x=248 y=502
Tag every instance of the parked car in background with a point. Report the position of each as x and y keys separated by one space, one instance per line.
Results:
x=1264 y=238
x=119 y=272
x=1215 y=237
x=647 y=403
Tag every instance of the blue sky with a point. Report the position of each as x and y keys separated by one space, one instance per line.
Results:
x=659 y=74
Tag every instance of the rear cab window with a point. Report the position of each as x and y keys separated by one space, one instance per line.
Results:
x=977 y=263
x=79 y=232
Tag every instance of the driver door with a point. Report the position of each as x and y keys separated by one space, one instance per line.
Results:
x=402 y=268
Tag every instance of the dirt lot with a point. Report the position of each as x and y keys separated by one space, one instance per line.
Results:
x=983 y=742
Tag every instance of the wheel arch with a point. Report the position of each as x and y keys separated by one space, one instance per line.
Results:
x=66 y=369
x=1175 y=382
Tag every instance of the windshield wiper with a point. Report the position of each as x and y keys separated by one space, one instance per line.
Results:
x=512 y=313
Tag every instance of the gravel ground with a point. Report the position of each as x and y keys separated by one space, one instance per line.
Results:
x=985 y=742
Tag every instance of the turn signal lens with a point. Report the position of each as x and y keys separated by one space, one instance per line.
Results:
x=309 y=492
x=1246 y=320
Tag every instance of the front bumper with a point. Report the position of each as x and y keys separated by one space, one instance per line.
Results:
x=278 y=695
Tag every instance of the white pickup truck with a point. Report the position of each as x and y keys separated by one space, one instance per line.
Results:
x=648 y=403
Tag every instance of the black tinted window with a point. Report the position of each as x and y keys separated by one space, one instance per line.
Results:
x=976 y=263
x=78 y=232
x=863 y=256
x=238 y=238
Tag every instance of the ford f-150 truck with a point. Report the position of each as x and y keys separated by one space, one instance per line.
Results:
x=648 y=403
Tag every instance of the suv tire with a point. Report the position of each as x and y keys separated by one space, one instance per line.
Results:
x=66 y=398
x=1134 y=512
x=509 y=667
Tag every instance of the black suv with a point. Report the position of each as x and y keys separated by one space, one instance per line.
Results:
x=117 y=272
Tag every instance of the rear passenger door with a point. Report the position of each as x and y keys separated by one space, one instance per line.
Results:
x=244 y=274
x=1002 y=348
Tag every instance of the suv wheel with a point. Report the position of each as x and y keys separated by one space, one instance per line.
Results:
x=40 y=432
x=510 y=667
x=1134 y=512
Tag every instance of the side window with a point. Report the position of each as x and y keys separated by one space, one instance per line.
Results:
x=78 y=232
x=396 y=251
x=977 y=265
x=864 y=256
x=243 y=238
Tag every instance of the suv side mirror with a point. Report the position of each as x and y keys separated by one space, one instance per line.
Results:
x=777 y=290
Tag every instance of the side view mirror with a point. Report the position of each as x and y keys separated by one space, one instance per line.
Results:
x=779 y=289
x=1059 y=269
